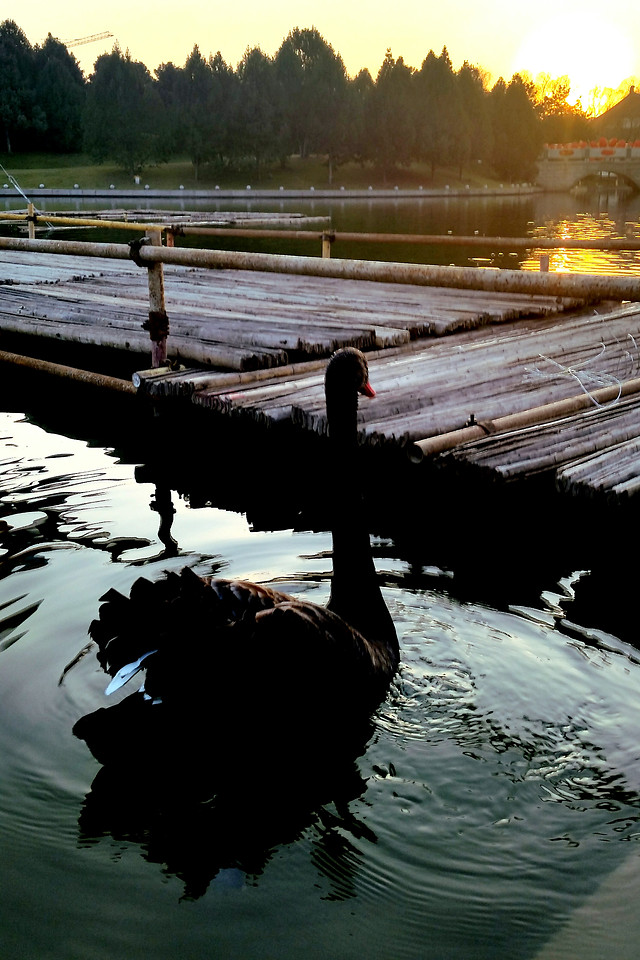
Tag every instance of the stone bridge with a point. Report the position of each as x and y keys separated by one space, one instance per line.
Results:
x=564 y=166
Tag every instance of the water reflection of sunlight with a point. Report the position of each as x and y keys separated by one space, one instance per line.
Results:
x=585 y=226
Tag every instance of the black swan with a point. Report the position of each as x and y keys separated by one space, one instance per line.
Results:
x=266 y=671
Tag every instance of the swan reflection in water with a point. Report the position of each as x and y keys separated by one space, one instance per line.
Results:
x=255 y=700
x=201 y=829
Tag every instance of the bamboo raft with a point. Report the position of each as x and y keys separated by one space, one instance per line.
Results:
x=174 y=219
x=578 y=374
x=451 y=367
x=234 y=321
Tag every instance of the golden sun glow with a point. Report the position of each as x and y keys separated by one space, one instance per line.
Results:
x=593 y=54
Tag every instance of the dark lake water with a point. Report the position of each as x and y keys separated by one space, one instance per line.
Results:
x=555 y=215
x=499 y=790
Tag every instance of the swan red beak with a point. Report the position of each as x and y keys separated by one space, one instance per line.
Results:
x=367 y=390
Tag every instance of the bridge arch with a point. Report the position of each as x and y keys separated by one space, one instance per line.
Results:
x=607 y=181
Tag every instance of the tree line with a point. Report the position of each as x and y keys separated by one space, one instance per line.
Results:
x=299 y=101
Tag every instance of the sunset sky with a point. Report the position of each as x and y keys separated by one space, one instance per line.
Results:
x=595 y=44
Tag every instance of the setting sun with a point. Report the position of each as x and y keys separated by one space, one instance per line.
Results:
x=591 y=53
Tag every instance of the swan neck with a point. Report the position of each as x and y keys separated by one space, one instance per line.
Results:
x=355 y=591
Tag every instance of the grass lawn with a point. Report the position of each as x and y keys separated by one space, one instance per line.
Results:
x=31 y=170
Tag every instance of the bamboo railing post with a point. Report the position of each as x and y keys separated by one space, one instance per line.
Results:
x=31 y=220
x=327 y=240
x=158 y=322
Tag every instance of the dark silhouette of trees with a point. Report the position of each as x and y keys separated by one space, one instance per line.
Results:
x=198 y=108
x=18 y=113
x=312 y=90
x=441 y=130
x=41 y=94
x=560 y=121
x=187 y=98
x=257 y=113
x=476 y=132
x=300 y=101
x=516 y=130
x=390 y=121
x=59 y=92
x=223 y=113
x=123 y=113
x=359 y=93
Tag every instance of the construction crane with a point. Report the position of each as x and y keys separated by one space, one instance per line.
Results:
x=94 y=36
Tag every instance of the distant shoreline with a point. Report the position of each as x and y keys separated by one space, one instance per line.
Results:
x=280 y=193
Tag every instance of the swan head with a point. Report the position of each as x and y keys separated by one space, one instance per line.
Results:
x=348 y=371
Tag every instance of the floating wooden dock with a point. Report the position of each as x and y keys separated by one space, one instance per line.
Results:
x=450 y=366
x=445 y=392
x=234 y=320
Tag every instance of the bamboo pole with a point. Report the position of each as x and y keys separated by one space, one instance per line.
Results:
x=513 y=243
x=327 y=240
x=79 y=222
x=70 y=373
x=581 y=286
x=158 y=323
x=516 y=421
x=203 y=380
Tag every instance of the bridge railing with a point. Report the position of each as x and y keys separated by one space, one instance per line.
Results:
x=601 y=149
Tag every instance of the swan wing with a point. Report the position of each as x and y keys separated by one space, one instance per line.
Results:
x=178 y=614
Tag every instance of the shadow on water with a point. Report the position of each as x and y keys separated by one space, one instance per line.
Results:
x=204 y=823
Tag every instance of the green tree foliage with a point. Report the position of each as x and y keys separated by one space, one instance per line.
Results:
x=390 y=121
x=223 y=109
x=359 y=93
x=169 y=85
x=301 y=101
x=516 y=130
x=476 y=133
x=59 y=90
x=122 y=119
x=257 y=133
x=440 y=112
x=18 y=114
x=187 y=99
x=312 y=95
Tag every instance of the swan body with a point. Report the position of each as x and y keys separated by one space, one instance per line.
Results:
x=250 y=661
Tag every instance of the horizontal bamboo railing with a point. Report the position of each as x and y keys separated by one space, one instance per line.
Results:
x=568 y=285
x=514 y=243
x=329 y=237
